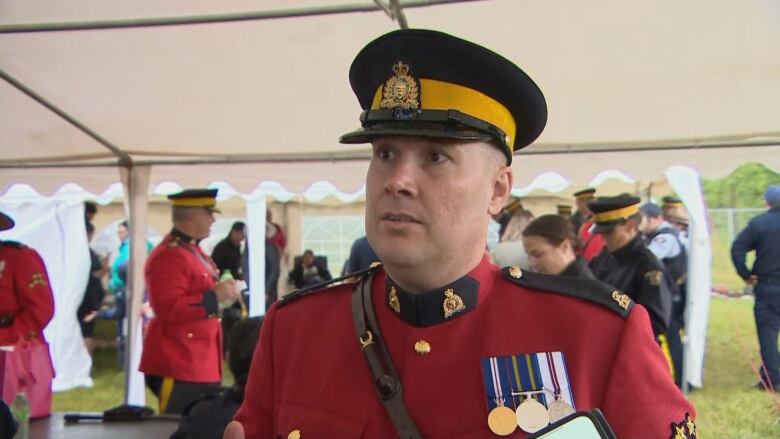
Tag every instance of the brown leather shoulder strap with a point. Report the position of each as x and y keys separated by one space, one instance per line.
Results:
x=386 y=382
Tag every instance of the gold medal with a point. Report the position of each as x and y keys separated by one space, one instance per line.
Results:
x=502 y=420
x=532 y=416
x=558 y=410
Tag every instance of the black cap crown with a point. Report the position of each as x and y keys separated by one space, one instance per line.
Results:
x=609 y=211
x=427 y=83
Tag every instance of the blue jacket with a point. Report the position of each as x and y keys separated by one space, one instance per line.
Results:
x=762 y=234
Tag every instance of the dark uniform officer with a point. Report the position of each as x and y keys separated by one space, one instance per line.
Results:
x=664 y=241
x=182 y=355
x=472 y=350
x=26 y=301
x=762 y=235
x=630 y=267
x=564 y=210
x=582 y=214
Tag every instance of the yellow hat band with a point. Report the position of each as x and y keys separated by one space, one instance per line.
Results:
x=588 y=196
x=438 y=95
x=613 y=215
x=673 y=204
x=195 y=202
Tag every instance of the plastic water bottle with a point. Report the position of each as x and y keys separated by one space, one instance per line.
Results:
x=21 y=412
x=226 y=275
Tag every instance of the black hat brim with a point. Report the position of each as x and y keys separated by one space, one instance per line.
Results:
x=6 y=222
x=604 y=227
x=366 y=135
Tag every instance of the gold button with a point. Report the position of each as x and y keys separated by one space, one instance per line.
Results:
x=190 y=335
x=515 y=272
x=422 y=347
x=295 y=434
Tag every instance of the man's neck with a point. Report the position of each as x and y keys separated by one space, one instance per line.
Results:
x=187 y=229
x=422 y=278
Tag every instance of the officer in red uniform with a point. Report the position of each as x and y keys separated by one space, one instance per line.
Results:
x=26 y=301
x=182 y=355
x=438 y=342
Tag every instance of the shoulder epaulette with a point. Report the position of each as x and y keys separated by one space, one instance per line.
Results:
x=12 y=244
x=588 y=289
x=325 y=286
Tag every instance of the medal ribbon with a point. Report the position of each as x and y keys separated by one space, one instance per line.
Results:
x=555 y=375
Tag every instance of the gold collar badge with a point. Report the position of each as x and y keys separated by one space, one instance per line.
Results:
x=400 y=90
x=622 y=299
x=452 y=303
x=392 y=300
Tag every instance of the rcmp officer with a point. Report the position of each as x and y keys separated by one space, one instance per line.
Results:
x=439 y=342
x=26 y=301
x=627 y=263
x=182 y=355
x=592 y=243
x=664 y=241
x=582 y=214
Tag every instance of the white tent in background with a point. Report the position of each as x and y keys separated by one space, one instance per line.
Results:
x=199 y=92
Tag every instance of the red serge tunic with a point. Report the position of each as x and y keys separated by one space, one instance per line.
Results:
x=26 y=301
x=309 y=373
x=184 y=339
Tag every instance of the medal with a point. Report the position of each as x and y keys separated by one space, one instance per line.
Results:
x=531 y=415
x=559 y=410
x=501 y=420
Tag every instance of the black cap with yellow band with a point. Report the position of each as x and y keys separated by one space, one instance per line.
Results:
x=206 y=198
x=425 y=83
x=611 y=211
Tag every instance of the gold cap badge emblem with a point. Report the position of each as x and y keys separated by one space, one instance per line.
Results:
x=452 y=303
x=400 y=90
x=392 y=300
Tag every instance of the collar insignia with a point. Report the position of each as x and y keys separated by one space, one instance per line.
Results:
x=392 y=300
x=622 y=299
x=452 y=303
x=686 y=429
x=400 y=90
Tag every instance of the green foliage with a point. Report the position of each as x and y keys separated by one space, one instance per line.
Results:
x=742 y=188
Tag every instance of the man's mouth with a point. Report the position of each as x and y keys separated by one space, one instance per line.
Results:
x=399 y=217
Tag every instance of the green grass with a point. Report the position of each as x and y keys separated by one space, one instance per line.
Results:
x=727 y=406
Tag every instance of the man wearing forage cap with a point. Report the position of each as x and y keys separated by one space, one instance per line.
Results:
x=437 y=341
x=762 y=235
x=182 y=355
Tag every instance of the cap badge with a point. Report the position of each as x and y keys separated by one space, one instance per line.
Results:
x=452 y=303
x=400 y=90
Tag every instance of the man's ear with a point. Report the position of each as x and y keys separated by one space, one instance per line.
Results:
x=501 y=189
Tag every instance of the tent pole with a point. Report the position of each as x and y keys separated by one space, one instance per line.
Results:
x=220 y=18
x=135 y=180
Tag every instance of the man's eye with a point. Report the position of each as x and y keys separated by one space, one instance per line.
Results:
x=437 y=157
x=383 y=154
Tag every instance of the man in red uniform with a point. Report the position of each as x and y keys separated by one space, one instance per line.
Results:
x=26 y=301
x=442 y=343
x=592 y=243
x=182 y=356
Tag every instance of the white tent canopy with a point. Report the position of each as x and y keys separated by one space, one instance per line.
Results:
x=267 y=94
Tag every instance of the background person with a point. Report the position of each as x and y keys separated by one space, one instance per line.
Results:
x=227 y=252
x=93 y=294
x=309 y=271
x=182 y=354
x=762 y=235
x=551 y=245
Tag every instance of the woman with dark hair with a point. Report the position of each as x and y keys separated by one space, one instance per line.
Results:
x=551 y=244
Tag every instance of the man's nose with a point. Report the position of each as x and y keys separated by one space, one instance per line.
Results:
x=401 y=180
